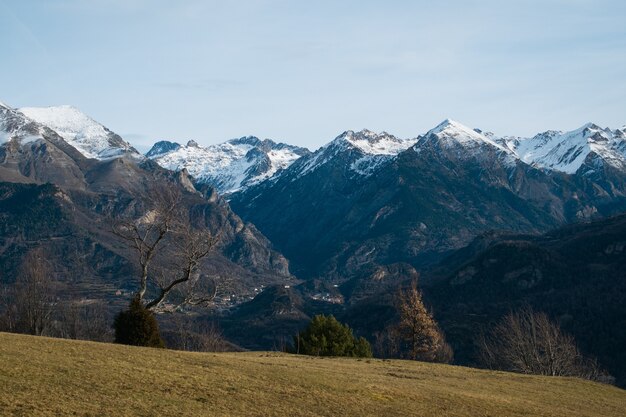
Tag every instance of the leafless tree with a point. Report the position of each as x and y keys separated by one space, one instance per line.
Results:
x=529 y=342
x=83 y=320
x=187 y=334
x=34 y=295
x=387 y=343
x=8 y=309
x=417 y=335
x=169 y=249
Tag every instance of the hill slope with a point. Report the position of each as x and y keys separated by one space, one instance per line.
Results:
x=44 y=376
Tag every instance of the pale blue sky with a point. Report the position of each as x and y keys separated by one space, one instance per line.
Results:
x=303 y=72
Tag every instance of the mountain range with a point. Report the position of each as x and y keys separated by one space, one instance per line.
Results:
x=419 y=199
x=337 y=229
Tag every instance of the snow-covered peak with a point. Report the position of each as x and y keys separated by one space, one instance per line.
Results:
x=372 y=143
x=451 y=127
x=463 y=141
x=364 y=151
x=452 y=132
x=567 y=151
x=229 y=166
x=82 y=132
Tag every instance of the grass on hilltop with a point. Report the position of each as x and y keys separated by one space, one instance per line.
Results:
x=42 y=376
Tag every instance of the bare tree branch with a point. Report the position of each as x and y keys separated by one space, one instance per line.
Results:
x=529 y=342
x=169 y=249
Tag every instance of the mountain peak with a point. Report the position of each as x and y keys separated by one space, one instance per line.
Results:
x=452 y=128
x=452 y=134
x=590 y=125
x=85 y=134
x=162 y=147
x=248 y=140
x=373 y=143
x=568 y=151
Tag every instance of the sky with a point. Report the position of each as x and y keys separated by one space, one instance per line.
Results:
x=303 y=72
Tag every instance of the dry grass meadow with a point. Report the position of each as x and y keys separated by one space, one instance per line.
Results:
x=50 y=377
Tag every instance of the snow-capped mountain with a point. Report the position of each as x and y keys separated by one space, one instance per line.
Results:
x=89 y=137
x=366 y=198
x=362 y=151
x=453 y=137
x=32 y=152
x=452 y=133
x=569 y=151
x=229 y=166
x=552 y=150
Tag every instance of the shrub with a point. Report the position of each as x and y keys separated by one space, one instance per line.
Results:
x=325 y=336
x=137 y=326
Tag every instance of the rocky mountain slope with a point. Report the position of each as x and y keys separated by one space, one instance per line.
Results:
x=345 y=208
x=52 y=196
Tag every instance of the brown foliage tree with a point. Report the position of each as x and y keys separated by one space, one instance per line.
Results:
x=417 y=335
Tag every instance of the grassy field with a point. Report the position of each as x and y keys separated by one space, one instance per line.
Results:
x=41 y=376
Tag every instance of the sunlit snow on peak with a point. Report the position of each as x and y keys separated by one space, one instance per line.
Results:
x=82 y=132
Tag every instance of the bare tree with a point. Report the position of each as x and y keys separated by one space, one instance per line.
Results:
x=8 y=313
x=169 y=250
x=190 y=335
x=529 y=342
x=34 y=298
x=83 y=320
x=417 y=335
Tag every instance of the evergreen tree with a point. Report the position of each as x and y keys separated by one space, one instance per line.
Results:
x=137 y=326
x=325 y=336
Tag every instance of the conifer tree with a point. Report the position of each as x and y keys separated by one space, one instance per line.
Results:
x=137 y=326
x=325 y=336
x=417 y=333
